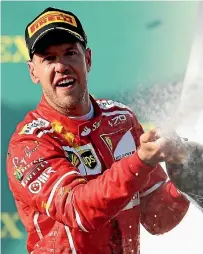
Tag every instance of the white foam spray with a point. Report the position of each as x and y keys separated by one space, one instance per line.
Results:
x=178 y=107
x=189 y=116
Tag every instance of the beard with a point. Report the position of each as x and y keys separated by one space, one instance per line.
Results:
x=68 y=104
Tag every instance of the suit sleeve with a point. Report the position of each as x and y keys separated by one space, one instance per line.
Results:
x=163 y=209
x=162 y=205
x=41 y=176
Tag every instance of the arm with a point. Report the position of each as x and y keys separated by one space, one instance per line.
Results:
x=163 y=208
x=51 y=185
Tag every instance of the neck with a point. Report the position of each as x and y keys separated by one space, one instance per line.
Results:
x=76 y=110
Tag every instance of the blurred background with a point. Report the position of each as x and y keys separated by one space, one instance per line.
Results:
x=136 y=46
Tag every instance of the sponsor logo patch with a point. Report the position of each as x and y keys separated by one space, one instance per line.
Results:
x=87 y=130
x=85 y=158
x=125 y=147
x=36 y=185
x=20 y=164
x=119 y=157
x=117 y=120
x=73 y=158
x=29 y=150
x=43 y=132
x=48 y=18
x=88 y=158
x=23 y=166
x=106 y=104
x=34 y=171
x=18 y=173
x=108 y=142
x=35 y=124
x=111 y=140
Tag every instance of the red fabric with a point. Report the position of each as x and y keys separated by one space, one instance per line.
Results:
x=77 y=183
x=163 y=209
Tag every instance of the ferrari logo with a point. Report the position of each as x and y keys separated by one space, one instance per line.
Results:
x=109 y=142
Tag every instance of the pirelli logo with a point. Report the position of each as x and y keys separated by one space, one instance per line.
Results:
x=48 y=18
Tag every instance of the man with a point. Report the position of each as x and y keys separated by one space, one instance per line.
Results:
x=83 y=174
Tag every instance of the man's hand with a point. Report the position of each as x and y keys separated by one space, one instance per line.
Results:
x=154 y=149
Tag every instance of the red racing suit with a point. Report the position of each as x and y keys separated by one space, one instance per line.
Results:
x=80 y=187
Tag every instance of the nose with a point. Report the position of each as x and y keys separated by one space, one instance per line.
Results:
x=60 y=66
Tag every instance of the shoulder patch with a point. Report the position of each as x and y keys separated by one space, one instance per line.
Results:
x=107 y=104
x=38 y=123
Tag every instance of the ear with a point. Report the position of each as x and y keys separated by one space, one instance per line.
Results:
x=32 y=71
x=88 y=58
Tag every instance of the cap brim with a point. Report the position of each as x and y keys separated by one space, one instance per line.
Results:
x=55 y=29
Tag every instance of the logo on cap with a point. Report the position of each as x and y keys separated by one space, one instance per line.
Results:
x=48 y=18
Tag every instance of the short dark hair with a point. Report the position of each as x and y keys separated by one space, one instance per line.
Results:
x=55 y=38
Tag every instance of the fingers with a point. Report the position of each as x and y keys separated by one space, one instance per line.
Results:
x=154 y=149
x=149 y=136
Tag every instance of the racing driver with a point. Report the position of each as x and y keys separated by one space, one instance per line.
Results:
x=83 y=174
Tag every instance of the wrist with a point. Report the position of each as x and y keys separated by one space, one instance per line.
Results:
x=136 y=165
x=141 y=156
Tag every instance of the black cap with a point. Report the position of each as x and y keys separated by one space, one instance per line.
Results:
x=50 y=20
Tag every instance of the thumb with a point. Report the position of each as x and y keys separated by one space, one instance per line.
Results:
x=149 y=136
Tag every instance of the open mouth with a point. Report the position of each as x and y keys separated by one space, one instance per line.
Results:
x=66 y=82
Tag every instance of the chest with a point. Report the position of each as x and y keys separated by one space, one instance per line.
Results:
x=102 y=143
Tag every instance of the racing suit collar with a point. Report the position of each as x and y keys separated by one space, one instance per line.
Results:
x=80 y=128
